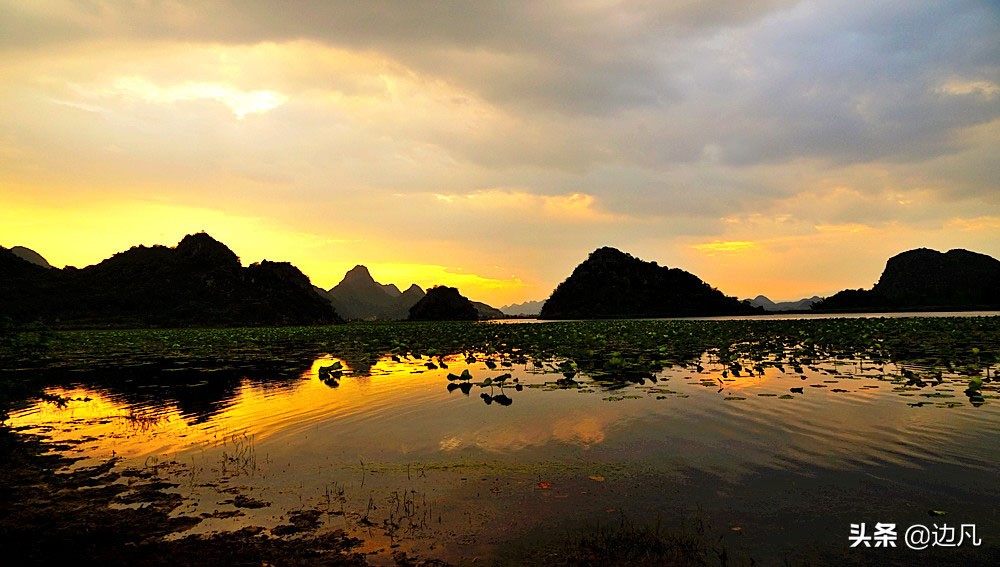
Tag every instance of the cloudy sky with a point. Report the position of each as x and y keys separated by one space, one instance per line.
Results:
x=779 y=147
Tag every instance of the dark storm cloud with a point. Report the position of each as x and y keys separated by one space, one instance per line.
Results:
x=868 y=84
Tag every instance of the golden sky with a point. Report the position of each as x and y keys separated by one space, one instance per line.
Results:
x=781 y=148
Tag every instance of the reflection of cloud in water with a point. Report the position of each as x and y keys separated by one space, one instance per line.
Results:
x=581 y=430
x=512 y=439
x=584 y=432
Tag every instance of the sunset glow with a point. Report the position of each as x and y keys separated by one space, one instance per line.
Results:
x=786 y=149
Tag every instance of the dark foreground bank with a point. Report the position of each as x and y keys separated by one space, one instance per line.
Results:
x=51 y=518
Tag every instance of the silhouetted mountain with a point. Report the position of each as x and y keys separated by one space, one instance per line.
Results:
x=443 y=303
x=487 y=311
x=411 y=296
x=764 y=303
x=613 y=284
x=927 y=279
x=526 y=308
x=850 y=300
x=199 y=282
x=801 y=305
x=31 y=256
x=359 y=297
x=25 y=288
x=392 y=290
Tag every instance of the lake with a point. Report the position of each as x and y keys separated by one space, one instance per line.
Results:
x=754 y=441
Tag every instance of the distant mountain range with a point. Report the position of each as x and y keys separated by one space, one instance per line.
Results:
x=613 y=284
x=800 y=305
x=487 y=312
x=200 y=282
x=926 y=279
x=528 y=308
x=358 y=297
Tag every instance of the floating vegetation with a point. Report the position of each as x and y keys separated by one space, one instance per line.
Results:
x=330 y=375
x=912 y=353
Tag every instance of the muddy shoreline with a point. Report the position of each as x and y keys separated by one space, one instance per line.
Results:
x=49 y=518
x=110 y=515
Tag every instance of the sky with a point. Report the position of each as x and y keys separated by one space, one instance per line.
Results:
x=785 y=148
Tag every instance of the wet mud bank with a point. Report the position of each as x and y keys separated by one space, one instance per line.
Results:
x=50 y=518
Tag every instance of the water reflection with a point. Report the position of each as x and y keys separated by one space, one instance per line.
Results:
x=374 y=412
x=291 y=432
x=464 y=387
x=196 y=394
x=464 y=383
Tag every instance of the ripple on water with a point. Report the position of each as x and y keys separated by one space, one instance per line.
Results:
x=308 y=434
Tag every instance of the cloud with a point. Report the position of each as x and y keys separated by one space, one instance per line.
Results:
x=580 y=86
x=113 y=225
x=574 y=207
x=726 y=246
x=958 y=87
x=239 y=102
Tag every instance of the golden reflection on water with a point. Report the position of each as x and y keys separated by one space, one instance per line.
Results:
x=112 y=424
x=393 y=425
x=403 y=407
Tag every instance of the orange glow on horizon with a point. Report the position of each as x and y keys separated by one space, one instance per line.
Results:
x=437 y=160
x=70 y=236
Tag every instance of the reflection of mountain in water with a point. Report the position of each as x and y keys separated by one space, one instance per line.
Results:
x=176 y=368
x=198 y=394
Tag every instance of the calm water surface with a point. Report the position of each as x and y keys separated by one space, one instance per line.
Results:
x=396 y=457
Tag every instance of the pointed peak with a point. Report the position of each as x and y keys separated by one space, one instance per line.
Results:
x=358 y=273
x=414 y=288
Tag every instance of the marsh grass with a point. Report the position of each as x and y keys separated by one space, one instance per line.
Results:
x=239 y=456
x=141 y=422
x=335 y=493
x=407 y=513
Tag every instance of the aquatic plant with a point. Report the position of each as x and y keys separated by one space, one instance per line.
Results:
x=608 y=354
